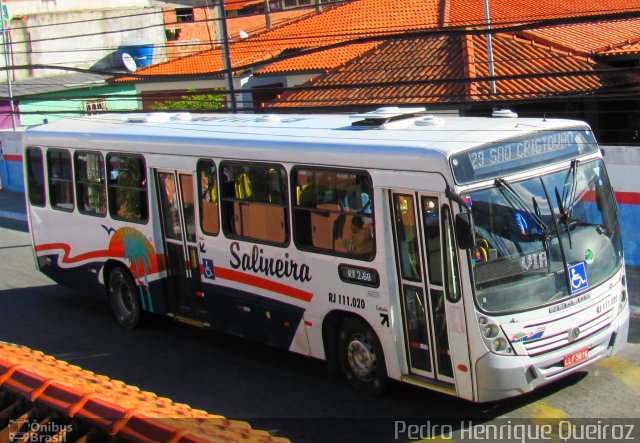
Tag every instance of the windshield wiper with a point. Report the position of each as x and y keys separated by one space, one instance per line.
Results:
x=564 y=217
x=535 y=214
x=568 y=201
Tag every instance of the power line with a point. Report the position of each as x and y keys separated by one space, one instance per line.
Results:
x=381 y=38
x=374 y=33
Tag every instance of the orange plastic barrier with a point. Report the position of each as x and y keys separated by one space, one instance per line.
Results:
x=110 y=406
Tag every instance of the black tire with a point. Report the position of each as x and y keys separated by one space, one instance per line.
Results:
x=123 y=297
x=361 y=357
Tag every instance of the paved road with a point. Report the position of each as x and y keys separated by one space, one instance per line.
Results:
x=287 y=394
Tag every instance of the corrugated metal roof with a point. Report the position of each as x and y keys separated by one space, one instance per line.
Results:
x=43 y=85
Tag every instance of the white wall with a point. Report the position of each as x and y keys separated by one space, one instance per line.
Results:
x=86 y=39
x=27 y=7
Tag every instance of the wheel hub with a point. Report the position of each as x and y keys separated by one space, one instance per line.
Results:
x=361 y=357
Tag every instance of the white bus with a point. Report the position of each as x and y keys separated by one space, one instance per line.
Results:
x=478 y=257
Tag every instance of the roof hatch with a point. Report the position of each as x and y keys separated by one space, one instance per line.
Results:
x=385 y=115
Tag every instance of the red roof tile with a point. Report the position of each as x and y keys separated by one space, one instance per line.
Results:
x=254 y=24
x=467 y=12
x=631 y=48
x=319 y=61
x=235 y=5
x=590 y=37
x=360 y=18
x=417 y=70
x=412 y=70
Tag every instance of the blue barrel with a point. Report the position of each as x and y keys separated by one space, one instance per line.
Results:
x=140 y=51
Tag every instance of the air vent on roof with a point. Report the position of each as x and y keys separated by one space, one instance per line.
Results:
x=385 y=115
x=269 y=118
x=504 y=113
x=430 y=120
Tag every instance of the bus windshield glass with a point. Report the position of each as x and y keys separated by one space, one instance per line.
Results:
x=544 y=239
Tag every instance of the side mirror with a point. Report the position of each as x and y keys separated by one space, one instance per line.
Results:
x=464 y=231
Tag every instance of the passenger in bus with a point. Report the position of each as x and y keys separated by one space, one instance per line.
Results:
x=209 y=190
x=362 y=240
x=172 y=216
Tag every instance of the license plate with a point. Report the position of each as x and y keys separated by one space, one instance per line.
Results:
x=576 y=357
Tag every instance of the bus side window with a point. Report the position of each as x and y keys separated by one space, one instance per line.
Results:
x=253 y=206
x=333 y=212
x=450 y=253
x=127 y=187
x=208 y=197
x=431 y=216
x=35 y=177
x=60 y=179
x=91 y=192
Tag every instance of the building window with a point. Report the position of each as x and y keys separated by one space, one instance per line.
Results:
x=333 y=212
x=91 y=189
x=184 y=15
x=35 y=177
x=127 y=187
x=172 y=34
x=60 y=179
x=254 y=202
x=93 y=107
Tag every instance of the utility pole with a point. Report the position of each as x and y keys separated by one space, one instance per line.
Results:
x=267 y=13
x=226 y=57
x=7 y=62
x=492 y=71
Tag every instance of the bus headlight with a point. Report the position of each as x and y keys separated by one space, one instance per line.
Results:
x=499 y=345
x=490 y=330
x=623 y=299
x=623 y=293
x=494 y=337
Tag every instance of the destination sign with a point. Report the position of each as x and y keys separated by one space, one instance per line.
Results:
x=497 y=159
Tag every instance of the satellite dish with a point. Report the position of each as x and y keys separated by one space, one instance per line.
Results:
x=243 y=34
x=129 y=62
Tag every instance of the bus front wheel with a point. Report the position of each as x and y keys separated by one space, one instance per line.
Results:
x=361 y=357
x=123 y=297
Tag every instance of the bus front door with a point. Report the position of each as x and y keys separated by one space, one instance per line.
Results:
x=177 y=210
x=419 y=242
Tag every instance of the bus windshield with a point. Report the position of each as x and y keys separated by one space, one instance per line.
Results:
x=545 y=238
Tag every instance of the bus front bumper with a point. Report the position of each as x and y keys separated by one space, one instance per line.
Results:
x=499 y=377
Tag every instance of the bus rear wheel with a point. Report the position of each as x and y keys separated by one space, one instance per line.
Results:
x=361 y=357
x=123 y=297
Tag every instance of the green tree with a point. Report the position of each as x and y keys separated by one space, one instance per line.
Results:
x=192 y=101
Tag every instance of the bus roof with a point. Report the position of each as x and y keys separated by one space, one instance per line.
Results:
x=404 y=144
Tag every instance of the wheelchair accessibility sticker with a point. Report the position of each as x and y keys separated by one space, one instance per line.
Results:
x=207 y=269
x=578 y=277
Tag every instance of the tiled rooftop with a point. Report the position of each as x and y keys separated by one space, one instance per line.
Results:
x=423 y=70
x=360 y=18
x=593 y=37
x=253 y=24
x=553 y=50
x=234 y=5
x=467 y=12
